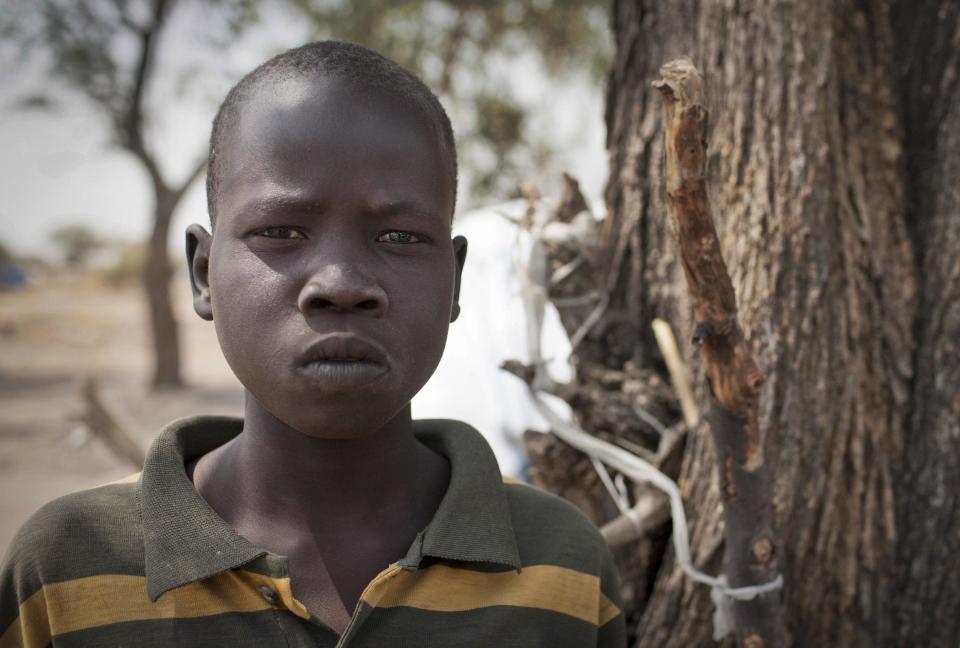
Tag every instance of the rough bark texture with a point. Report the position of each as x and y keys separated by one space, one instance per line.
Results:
x=835 y=176
x=924 y=600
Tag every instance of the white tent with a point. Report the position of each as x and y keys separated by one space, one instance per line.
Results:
x=468 y=385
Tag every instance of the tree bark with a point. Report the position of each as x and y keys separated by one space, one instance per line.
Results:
x=924 y=600
x=835 y=173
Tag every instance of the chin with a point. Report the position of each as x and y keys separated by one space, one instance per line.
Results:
x=333 y=412
x=346 y=419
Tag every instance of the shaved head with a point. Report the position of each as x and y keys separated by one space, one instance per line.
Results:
x=345 y=61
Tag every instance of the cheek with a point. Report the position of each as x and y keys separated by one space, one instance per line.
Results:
x=246 y=297
x=426 y=323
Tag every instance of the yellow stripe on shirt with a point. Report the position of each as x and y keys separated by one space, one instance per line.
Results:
x=32 y=629
x=441 y=588
x=95 y=601
x=83 y=603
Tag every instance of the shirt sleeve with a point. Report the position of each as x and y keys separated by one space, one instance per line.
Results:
x=23 y=608
x=611 y=631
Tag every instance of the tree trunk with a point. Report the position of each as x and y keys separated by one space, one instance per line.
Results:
x=163 y=323
x=834 y=171
x=924 y=600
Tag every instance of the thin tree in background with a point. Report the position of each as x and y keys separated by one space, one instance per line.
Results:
x=77 y=243
x=107 y=51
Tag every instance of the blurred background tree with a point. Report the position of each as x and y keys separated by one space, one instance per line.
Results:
x=5 y=255
x=468 y=52
x=76 y=242
x=106 y=50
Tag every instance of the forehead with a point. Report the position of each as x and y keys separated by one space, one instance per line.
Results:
x=317 y=138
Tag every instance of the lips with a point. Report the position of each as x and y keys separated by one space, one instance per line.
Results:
x=343 y=361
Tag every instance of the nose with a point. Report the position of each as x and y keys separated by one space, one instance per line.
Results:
x=342 y=288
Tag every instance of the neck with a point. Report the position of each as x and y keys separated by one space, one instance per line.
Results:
x=274 y=472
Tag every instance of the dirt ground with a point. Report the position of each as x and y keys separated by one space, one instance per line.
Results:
x=53 y=334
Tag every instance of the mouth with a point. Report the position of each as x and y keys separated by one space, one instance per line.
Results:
x=343 y=361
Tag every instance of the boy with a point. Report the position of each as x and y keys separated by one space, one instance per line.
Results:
x=326 y=516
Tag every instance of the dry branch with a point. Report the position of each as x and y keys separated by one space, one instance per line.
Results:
x=649 y=514
x=105 y=426
x=734 y=378
x=679 y=375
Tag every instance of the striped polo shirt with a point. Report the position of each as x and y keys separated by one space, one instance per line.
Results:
x=146 y=562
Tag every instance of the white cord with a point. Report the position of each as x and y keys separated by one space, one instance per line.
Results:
x=604 y=454
x=641 y=471
x=618 y=497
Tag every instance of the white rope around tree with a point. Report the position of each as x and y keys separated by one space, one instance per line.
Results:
x=640 y=471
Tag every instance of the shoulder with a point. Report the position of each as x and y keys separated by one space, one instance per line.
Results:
x=553 y=533
x=549 y=529
x=531 y=506
x=81 y=534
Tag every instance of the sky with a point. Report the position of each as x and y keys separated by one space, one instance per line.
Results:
x=57 y=166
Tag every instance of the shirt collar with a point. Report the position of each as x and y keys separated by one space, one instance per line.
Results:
x=186 y=541
x=473 y=520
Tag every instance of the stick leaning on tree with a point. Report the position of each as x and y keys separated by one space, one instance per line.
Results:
x=734 y=378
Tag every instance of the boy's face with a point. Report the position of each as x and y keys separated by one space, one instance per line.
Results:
x=331 y=274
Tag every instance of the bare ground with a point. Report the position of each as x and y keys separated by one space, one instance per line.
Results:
x=53 y=334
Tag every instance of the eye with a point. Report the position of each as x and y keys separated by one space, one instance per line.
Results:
x=281 y=233
x=398 y=236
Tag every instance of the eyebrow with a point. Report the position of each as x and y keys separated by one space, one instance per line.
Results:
x=280 y=202
x=385 y=210
x=291 y=204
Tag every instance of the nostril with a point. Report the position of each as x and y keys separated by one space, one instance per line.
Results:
x=334 y=296
x=321 y=303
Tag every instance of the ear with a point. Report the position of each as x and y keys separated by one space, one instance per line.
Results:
x=460 y=254
x=198 y=264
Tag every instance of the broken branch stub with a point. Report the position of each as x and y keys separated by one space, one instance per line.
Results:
x=734 y=378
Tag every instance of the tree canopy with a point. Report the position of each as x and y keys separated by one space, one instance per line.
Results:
x=479 y=57
x=472 y=53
